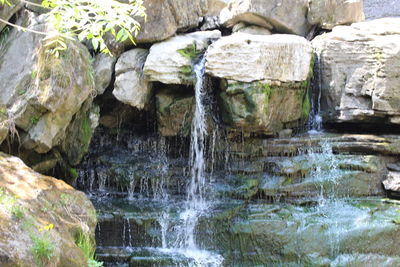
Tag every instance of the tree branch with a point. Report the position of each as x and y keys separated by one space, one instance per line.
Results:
x=22 y=28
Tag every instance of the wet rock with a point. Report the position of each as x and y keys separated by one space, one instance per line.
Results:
x=292 y=235
x=330 y=13
x=375 y=9
x=103 y=70
x=247 y=58
x=37 y=208
x=131 y=87
x=264 y=107
x=7 y=11
x=174 y=112
x=359 y=68
x=79 y=133
x=171 y=61
x=271 y=15
x=392 y=183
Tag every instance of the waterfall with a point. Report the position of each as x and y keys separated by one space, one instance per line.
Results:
x=197 y=202
x=315 y=119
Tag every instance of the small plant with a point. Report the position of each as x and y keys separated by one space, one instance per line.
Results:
x=47 y=207
x=42 y=249
x=65 y=199
x=21 y=91
x=86 y=244
x=18 y=212
x=34 y=120
x=190 y=52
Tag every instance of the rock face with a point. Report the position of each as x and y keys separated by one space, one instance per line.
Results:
x=358 y=72
x=269 y=14
x=250 y=29
x=7 y=11
x=166 y=17
x=40 y=212
x=330 y=13
x=264 y=107
x=171 y=61
x=44 y=91
x=247 y=58
x=392 y=183
x=214 y=7
x=131 y=87
x=375 y=9
x=103 y=71
x=174 y=112
x=267 y=80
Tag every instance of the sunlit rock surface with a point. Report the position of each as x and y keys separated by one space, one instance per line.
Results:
x=131 y=86
x=246 y=58
x=330 y=13
x=29 y=204
x=171 y=61
x=358 y=70
x=269 y=14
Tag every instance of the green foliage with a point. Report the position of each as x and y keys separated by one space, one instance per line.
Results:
x=18 y=212
x=88 y=247
x=190 y=52
x=7 y=200
x=91 y=20
x=35 y=120
x=4 y=34
x=42 y=248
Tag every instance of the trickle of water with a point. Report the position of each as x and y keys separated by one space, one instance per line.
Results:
x=315 y=120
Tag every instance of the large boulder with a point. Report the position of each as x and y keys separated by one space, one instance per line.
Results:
x=41 y=218
x=7 y=11
x=359 y=68
x=175 y=108
x=214 y=7
x=375 y=9
x=247 y=58
x=131 y=87
x=330 y=13
x=267 y=80
x=41 y=89
x=264 y=107
x=171 y=61
x=284 y=16
x=166 y=17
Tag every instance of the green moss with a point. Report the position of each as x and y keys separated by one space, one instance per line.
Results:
x=4 y=33
x=34 y=120
x=86 y=133
x=73 y=172
x=190 y=52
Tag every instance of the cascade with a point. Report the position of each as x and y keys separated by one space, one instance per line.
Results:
x=197 y=202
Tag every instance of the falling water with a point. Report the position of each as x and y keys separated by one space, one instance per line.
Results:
x=315 y=114
x=196 y=201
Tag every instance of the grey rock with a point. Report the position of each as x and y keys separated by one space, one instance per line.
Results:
x=375 y=9
x=359 y=68
x=392 y=182
x=103 y=70
x=174 y=112
x=330 y=13
x=248 y=57
x=171 y=61
x=131 y=87
x=284 y=16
